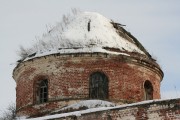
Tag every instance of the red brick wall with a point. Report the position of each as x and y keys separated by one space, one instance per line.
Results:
x=158 y=110
x=68 y=79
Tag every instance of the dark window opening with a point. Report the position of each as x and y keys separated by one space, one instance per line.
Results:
x=148 y=90
x=98 y=86
x=42 y=91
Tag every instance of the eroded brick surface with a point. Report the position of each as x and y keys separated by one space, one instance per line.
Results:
x=159 y=110
x=68 y=80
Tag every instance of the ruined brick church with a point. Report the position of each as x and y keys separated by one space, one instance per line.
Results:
x=86 y=57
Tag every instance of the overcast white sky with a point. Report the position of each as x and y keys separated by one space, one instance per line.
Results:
x=154 y=23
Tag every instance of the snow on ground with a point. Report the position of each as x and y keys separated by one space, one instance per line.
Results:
x=93 y=103
x=81 y=32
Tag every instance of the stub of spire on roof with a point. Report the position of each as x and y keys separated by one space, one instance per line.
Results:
x=89 y=25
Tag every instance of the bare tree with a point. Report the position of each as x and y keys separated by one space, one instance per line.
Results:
x=9 y=113
x=49 y=39
x=23 y=53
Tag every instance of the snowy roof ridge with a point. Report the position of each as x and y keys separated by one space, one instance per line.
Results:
x=84 y=30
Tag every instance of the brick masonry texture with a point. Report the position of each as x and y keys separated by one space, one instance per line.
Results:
x=68 y=80
x=158 y=110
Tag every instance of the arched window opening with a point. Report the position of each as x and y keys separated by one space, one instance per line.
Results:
x=42 y=91
x=98 y=86
x=148 y=90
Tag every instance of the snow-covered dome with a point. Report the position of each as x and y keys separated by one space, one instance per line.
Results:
x=84 y=57
x=86 y=32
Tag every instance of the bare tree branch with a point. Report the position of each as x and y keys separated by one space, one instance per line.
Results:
x=9 y=113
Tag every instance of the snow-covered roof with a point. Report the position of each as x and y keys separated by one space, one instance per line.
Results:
x=84 y=32
x=86 y=104
x=92 y=108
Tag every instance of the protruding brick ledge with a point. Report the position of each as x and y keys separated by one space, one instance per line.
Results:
x=151 y=110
